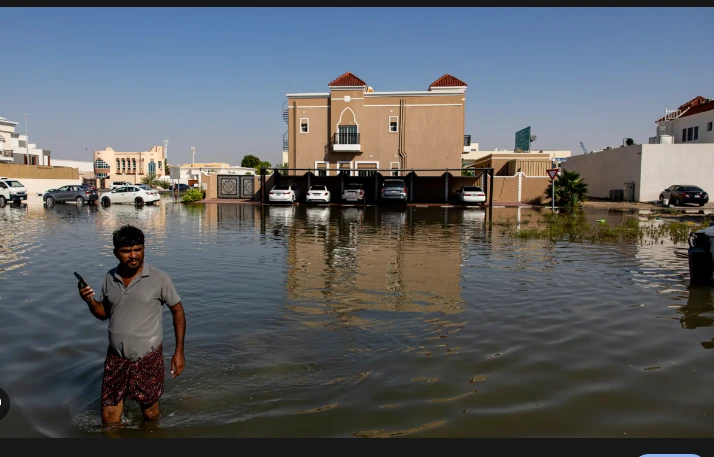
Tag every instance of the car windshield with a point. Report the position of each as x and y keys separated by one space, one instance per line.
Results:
x=690 y=189
x=318 y=188
x=13 y=183
x=472 y=189
x=281 y=188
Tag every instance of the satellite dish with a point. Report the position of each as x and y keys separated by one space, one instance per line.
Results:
x=629 y=142
x=533 y=138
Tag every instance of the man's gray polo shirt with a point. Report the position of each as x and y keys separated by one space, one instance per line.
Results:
x=135 y=327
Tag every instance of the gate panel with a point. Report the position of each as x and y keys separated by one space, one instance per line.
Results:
x=236 y=186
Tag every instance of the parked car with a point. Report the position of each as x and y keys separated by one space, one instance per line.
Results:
x=72 y=193
x=353 y=192
x=471 y=194
x=284 y=193
x=11 y=190
x=394 y=189
x=318 y=193
x=680 y=195
x=180 y=187
x=117 y=184
x=130 y=195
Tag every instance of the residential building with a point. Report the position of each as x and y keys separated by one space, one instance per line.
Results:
x=690 y=123
x=110 y=165
x=192 y=173
x=355 y=129
x=682 y=153
x=15 y=149
x=474 y=155
x=85 y=167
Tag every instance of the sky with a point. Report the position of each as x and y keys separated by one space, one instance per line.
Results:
x=216 y=78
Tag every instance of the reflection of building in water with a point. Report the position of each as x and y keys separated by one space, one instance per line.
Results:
x=150 y=219
x=376 y=259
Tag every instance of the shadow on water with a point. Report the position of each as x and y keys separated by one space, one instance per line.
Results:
x=366 y=321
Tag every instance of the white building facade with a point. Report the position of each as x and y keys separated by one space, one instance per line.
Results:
x=690 y=123
x=15 y=149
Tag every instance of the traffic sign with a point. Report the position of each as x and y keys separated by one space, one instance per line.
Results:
x=559 y=159
x=552 y=172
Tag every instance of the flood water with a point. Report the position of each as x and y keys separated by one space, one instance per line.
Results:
x=361 y=322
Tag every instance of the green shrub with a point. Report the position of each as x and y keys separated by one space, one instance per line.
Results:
x=193 y=195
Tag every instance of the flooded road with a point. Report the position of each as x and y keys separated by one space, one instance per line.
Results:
x=362 y=322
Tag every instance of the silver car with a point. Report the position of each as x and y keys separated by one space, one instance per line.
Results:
x=394 y=189
x=73 y=193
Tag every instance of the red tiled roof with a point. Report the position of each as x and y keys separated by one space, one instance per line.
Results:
x=696 y=105
x=700 y=108
x=447 y=81
x=348 y=79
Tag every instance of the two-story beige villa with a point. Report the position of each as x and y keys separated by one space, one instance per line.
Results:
x=111 y=165
x=354 y=128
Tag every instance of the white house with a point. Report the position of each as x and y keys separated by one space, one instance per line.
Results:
x=690 y=123
x=192 y=173
x=15 y=149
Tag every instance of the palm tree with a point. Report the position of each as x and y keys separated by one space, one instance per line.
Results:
x=150 y=180
x=570 y=189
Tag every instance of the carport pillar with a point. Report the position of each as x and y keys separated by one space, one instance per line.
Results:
x=490 y=189
x=376 y=185
x=411 y=186
x=262 y=186
x=446 y=186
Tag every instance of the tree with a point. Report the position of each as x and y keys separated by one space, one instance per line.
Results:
x=283 y=167
x=167 y=168
x=262 y=165
x=150 y=180
x=570 y=189
x=250 y=161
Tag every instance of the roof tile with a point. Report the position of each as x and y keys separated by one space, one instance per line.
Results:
x=348 y=79
x=447 y=81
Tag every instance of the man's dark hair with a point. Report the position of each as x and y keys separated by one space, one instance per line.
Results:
x=128 y=235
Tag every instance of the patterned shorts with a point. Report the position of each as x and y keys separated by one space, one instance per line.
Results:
x=141 y=380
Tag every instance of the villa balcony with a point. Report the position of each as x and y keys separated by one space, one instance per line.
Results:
x=6 y=155
x=346 y=142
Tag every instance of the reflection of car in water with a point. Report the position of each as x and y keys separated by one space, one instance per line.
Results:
x=281 y=214
x=318 y=214
x=352 y=214
x=474 y=215
x=392 y=217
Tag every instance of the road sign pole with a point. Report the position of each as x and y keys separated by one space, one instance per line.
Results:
x=552 y=198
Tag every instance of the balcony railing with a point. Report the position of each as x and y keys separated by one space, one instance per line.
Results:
x=345 y=138
x=7 y=153
x=345 y=142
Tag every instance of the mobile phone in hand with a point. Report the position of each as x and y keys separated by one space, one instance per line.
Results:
x=82 y=282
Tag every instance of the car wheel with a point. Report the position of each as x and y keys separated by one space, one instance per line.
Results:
x=661 y=198
x=3 y=200
x=80 y=201
x=49 y=201
x=702 y=204
x=676 y=202
x=106 y=202
x=139 y=201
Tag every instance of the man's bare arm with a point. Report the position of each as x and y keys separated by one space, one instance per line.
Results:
x=177 y=361
x=95 y=307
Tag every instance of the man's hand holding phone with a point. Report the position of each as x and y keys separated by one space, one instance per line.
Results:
x=85 y=291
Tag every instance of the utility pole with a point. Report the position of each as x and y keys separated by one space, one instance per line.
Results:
x=193 y=154
x=166 y=154
x=27 y=142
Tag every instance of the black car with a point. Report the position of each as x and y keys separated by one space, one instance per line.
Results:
x=679 y=195
x=180 y=187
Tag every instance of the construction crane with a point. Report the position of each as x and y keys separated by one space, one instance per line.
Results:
x=582 y=146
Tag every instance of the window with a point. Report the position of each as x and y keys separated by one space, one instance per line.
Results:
x=152 y=167
x=2 y=185
x=133 y=164
x=709 y=126
x=366 y=169
x=159 y=165
x=393 y=124
x=696 y=133
x=304 y=125
x=394 y=166
x=99 y=163
x=684 y=135
x=321 y=168
x=690 y=132
x=347 y=134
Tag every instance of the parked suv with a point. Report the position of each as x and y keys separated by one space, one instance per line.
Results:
x=12 y=190
x=394 y=189
x=353 y=192
x=73 y=193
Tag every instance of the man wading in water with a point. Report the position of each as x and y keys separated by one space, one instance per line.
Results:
x=131 y=298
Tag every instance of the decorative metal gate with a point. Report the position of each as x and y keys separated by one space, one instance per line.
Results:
x=236 y=186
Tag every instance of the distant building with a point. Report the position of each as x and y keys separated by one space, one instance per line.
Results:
x=690 y=123
x=355 y=129
x=192 y=173
x=111 y=165
x=474 y=156
x=14 y=147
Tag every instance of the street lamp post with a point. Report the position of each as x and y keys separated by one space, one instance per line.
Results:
x=27 y=142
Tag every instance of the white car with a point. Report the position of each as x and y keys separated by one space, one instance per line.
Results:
x=130 y=194
x=12 y=190
x=118 y=184
x=318 y=193
x=284 y=193
x=472 y=194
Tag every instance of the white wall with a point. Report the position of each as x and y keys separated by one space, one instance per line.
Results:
x=609 y=169
x=35 y=186
x=664 y=165
x=82 y=166
x=700 y=120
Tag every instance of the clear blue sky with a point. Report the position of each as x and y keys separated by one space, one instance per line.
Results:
x=216 y=78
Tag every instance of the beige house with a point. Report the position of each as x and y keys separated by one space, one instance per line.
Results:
x=110 y=165
x=354 y=128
